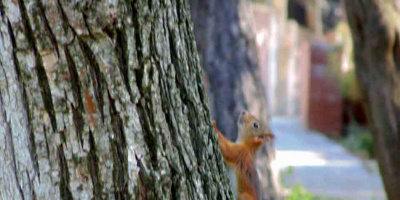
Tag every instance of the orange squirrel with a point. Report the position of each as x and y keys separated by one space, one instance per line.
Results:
x=241 y=156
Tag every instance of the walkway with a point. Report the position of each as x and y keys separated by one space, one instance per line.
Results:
x=321 y=165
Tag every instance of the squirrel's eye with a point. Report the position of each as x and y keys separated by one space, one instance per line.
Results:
x=255 y=125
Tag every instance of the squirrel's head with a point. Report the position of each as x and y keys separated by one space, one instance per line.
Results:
x=251 y=130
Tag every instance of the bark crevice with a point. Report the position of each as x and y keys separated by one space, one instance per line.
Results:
x=119 y=153
x=47 y=27
x=39 y=68
x=2 y=9
x=142 y=75
x=138 y=39
x=78 y=109
x=95 y=74
x=30 y=185
x=10 y=145
x=85 y=21
x=93 y=166
x=25 y=102
x=121 y=50
x=65 y=191
x=150 y=139
x=64 y=18
x=47 y=144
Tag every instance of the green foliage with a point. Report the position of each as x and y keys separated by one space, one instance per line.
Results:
x=359 y=141
x=334 y=61
x=286 y=172
x=349 y=85
x=283 y=173
x=298 y=192
x=341 y=64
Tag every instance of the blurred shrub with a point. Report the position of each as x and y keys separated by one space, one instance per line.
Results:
x=359 y=141
x=286 y=172
x=349 y=86
x=341 y=64
x=298 y=192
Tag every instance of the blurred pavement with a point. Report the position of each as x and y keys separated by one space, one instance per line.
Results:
x=321 y=165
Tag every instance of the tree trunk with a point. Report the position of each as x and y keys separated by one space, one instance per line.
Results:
x=104 y=100
x=377 y=55
x=225 y=38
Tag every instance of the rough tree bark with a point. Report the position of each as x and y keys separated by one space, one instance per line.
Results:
x=376 y=32
x=225 y=38
x=104 y=100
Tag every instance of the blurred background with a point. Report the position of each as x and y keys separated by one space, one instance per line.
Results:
x=291 y=63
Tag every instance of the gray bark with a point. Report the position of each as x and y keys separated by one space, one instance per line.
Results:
x=225 y=38
x=104 y=100
x=376 y=33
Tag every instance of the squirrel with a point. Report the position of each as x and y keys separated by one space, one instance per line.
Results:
x=240 y=156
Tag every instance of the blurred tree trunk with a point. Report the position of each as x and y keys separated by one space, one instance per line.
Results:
x=375 y=30
x=104 y=100
x=225 y=39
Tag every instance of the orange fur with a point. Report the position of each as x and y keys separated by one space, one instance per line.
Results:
x=241 y=156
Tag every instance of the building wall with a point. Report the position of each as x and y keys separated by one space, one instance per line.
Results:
x=324 y=109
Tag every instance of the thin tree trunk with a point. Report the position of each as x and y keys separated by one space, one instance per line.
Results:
x=104 y=100
x=375 y=30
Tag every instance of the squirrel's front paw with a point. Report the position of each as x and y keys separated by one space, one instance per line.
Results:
x=215 y=126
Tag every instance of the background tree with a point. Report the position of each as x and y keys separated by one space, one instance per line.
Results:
x=104 y=100
x=375 y=29
x=225 y=38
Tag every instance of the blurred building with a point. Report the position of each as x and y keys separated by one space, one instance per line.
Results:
x=301 y=59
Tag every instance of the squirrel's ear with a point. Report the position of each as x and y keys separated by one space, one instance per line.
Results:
x=214 y=124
